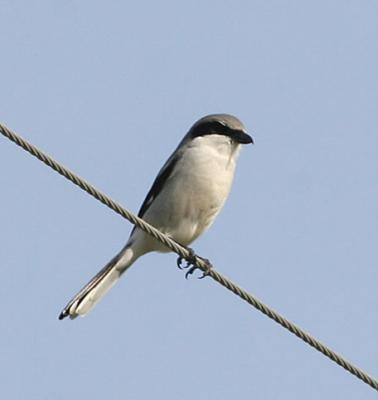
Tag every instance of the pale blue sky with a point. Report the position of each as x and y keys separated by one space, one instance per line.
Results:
x=109 y=89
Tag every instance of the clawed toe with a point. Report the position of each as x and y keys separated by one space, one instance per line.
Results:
x=179 y=261
x=204 y=273
x=208 y=268
x=190 y=262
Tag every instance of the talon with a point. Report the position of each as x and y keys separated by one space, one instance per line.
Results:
x=190 y=271
x=189 y=260
x=208 y=268
x=204 y=273
x=179 y=261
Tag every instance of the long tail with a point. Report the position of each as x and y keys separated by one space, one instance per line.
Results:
x=99 y=285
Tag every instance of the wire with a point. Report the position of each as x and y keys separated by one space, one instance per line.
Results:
x=183 y=252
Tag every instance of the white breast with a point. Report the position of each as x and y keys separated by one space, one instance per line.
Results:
x=196 y=190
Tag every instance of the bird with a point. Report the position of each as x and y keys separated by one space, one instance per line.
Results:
x=184 y=200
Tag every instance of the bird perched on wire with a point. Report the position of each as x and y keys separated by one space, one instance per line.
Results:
x=186 y=196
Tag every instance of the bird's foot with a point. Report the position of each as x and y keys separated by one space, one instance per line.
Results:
x=204 y=273
x=191 y=262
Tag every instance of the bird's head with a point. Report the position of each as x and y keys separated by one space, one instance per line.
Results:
x=221 y=124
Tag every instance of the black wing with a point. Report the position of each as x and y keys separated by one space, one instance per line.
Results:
x=158 y=184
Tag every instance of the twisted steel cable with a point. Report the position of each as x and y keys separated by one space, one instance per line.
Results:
x=184 y=253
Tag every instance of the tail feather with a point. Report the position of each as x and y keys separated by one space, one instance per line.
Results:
x=98 y=286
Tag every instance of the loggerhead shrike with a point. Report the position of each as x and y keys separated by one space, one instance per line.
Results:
x=183 y=201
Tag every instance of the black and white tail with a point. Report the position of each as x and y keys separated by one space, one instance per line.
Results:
x=99 y=285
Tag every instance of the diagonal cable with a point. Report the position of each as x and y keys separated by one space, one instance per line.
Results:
x=183 y=252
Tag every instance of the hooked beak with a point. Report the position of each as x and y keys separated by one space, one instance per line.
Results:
x=242 y=137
